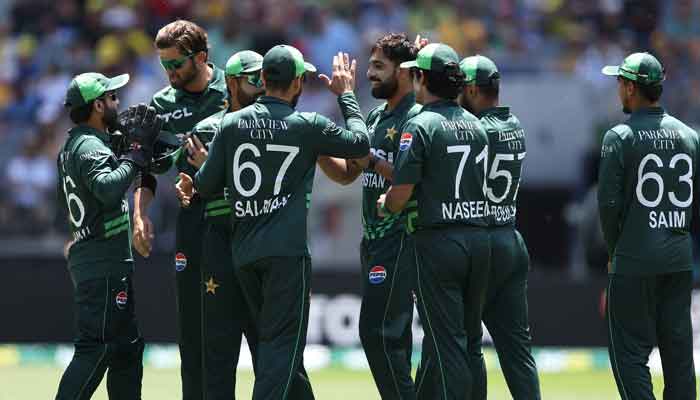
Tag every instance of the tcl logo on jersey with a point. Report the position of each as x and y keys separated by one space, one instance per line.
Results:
x=177 y=114
x=377 y=275
x=180 y=262
x=405 y=142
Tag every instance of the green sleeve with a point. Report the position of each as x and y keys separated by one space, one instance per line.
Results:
x=408 y=167
x=210 y=179
x=335 y=141
x=107 y=184
x=611 y=189
x=165 y=163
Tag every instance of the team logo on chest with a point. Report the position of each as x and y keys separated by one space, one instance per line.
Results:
x=180 y=262
x=377 y=275
x=405 y=141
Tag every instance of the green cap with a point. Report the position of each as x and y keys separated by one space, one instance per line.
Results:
x=479 y=70
x=433 y=57
x=86 y=87
x=284 y=63
x=243 y=62
x=639 y=67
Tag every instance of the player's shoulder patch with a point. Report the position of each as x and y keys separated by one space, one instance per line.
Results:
x=405 y=141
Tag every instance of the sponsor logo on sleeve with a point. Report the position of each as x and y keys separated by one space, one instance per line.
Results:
x=405 y=141
x=180 y=262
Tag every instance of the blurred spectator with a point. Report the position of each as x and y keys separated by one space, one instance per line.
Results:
x=43 y=43
x=31 y=177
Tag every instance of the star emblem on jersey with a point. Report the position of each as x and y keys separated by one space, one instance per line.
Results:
x=211 y=285
x=390 y=133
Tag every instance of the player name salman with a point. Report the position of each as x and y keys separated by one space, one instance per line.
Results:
x=254 y=208
x=667 y=219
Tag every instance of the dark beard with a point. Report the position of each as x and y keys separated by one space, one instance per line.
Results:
x=244 y=99
x=385 y=89
x=466 y=105
x=295 y=99
x=187 y=79
x=110 y=119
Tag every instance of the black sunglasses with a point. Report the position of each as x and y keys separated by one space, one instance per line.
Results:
x=111 y=95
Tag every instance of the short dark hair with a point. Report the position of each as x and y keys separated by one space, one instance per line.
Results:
x=82 y=113
x=277 y=85
x=651 y=93
x=445 y=84
x=186 y=36
x=396 y=47
x=491 y=89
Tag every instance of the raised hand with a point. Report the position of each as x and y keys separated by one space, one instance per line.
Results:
x=343 y=79
x=184 y=189
x=197 y=152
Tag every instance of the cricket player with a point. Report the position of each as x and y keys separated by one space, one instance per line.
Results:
x=646 y=183
x=266 y=155
x=197 y=90
x=226 y=316
x=387 y=285
x=505 y=311
x=443 y=155
x=92 y=185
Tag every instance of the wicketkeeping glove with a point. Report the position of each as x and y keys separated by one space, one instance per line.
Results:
x=141 y=125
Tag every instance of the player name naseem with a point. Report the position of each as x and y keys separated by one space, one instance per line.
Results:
x=477 y=209
x=254 y=208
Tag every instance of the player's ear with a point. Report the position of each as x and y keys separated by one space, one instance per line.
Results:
x=201 y=57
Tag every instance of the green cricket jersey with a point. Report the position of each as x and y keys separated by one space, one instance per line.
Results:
x=646 y=183
x=92 y=185
x=216 y=208
x=384 y=129
x=506 y=156
x=443 y=151
x=182 y=110
x=265 y=154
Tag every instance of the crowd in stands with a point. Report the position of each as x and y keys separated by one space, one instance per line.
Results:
x=43 y=43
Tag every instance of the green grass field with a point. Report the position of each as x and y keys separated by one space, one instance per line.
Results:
x=35 y=382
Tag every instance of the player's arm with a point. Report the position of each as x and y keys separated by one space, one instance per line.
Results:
x=210 y=179
x=144 y=193
x=352 y=141
x=408 y=171
x=611 y=189
x=339 y=170
x=106 y=183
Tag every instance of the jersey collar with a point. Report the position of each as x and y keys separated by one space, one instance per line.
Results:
x=406 y=102
x=270 y=100
x=88 y=130
x=649 y=111
x=440 y=103
x=499 y=111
